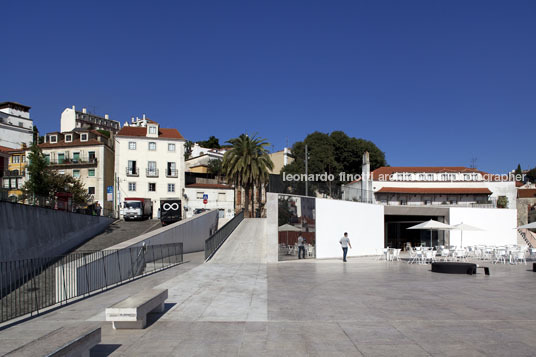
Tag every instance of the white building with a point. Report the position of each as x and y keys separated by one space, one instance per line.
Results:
x=16 y=127
x=220 y=197
x=149 y=163
x=72 y=119
x=435 y=186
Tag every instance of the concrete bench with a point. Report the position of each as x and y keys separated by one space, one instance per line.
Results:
x=131 y=313
x=66 y=341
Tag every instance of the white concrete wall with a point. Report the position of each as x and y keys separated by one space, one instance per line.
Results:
x=13 y=136
x=497 y=224
x=215 y=202
x=363 y=222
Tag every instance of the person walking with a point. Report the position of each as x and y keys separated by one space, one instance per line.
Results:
x=301 y=247
x=345 y=243
x=98 y=209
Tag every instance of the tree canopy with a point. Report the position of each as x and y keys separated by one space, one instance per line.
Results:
x=212 y=143
x=333 y=153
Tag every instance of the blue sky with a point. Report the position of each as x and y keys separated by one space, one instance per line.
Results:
x=430 y=82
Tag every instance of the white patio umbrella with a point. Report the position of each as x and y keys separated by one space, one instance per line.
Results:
x=528 y=226
x=432 y=226
x=288 y=228
x=464 y=227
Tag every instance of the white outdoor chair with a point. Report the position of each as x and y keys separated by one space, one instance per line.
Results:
x=396 y=254
x=414 y=256
x=519 y=256
x=310 y=250
x=429 y=256
x=500 y=255
x=444 y=255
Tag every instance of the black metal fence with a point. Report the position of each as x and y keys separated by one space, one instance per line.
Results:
x=30 y=285
x=216 y=240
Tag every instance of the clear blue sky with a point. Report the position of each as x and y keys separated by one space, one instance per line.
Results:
x=430 y=82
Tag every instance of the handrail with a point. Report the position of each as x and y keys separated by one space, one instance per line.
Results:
x=29 y=285
x=214 y=242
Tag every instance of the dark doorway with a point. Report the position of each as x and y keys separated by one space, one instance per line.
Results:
x=397 y=233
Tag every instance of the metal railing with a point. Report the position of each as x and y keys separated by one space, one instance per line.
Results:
x=14 y=173
x=132 y=171
x=213 y=243
x=80 y=160
x=151 y=172
x=172 y=173
x=28 y=286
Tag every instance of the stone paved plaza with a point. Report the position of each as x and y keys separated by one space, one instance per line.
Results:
x=315 y=308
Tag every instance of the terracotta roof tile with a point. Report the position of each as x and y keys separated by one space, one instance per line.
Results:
x=436 y=190
x=526 y=193
x=142 y=131
x=209 y=185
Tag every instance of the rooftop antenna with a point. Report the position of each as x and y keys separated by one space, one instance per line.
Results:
x=473 y=162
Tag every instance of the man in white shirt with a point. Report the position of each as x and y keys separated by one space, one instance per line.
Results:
x=345 y=243
x=301 y=247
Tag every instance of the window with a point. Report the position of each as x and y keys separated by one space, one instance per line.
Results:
x=6 y=183
x=132 y=186
x=76 y=173
x=152 y=146
x=199 y=195
x=171 y=187
x=21 y=124
x=152 y=187
x=132 y=145
x=171 y=169
x=152 y=130
x=91 y=172
x=83 y=137
x=19 y=184
x=15 y=159
x=171 y=147
x=61 y=158
x=132 y=169
x=68 y=138
x=91 y=155
x=13 y=183
x=76 y=157
x=91 y=190
x=53 y=138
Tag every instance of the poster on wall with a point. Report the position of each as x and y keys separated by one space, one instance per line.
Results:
x=296 y=227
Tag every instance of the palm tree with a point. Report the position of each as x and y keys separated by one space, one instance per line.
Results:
x=247 y=164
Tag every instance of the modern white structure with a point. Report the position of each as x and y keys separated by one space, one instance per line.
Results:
x=16 y=127
x=432 y=186
x=87 y=155
x=149 y=162
x=72 y=119
x=220 y=198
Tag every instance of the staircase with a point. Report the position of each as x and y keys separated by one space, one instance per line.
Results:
x=528 y=237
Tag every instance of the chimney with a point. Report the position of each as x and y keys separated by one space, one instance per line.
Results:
x=132 y=120
x=84 y=110
x=74 y=108
x=106 y=116
x=143 y=116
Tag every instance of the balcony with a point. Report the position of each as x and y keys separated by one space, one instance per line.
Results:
x=172 y=173
x=151 y=172
x=132 y=171
x=14 y=173
x=74 y=161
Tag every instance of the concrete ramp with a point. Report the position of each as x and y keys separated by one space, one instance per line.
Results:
x=247 y=244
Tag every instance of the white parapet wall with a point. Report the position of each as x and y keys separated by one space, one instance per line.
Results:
x=363 y=222
x=497 y=226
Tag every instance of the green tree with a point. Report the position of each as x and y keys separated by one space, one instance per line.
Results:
x=247 y=163
x=212 y=143
x=332 y=154
x=531 y=175
x=38 y=182
x=67 y=183
x=188 y=145
x=215 y=167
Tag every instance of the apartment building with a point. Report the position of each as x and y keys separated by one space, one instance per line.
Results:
x=16 y=127
x=149 y=162
x=218 y=197
x=14 y=174
x=72 y=119
x=84 y=154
